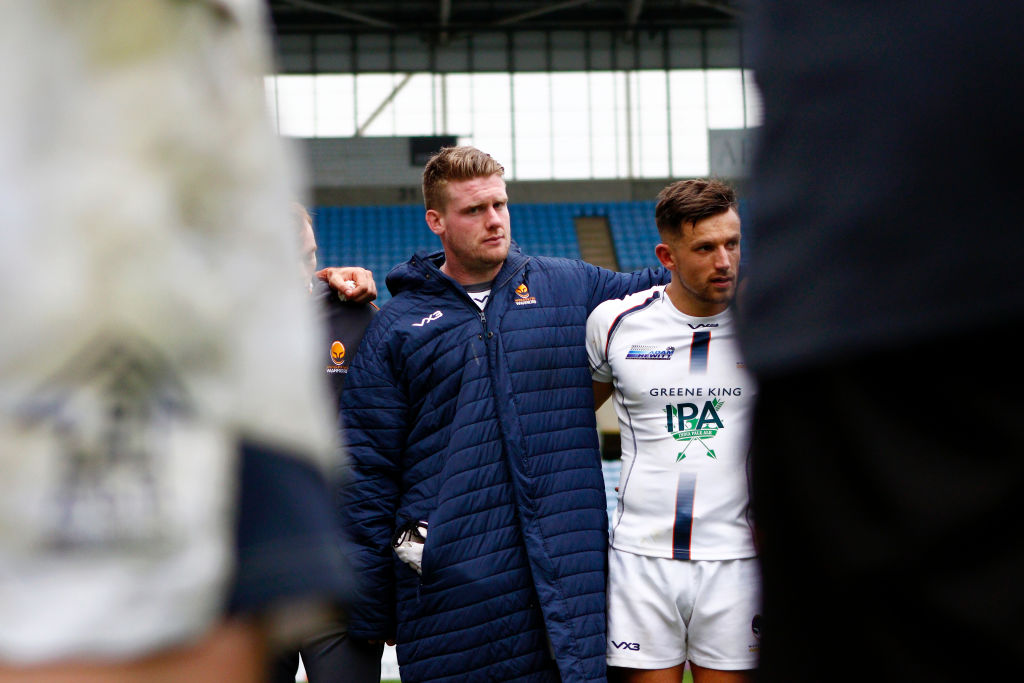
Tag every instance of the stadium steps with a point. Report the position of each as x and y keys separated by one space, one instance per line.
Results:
x=595 y=239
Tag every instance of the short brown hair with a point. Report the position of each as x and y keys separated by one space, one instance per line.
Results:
x=691 y=201
x=455 y=163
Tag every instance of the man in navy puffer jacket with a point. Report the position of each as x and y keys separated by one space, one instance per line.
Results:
x=470 y=408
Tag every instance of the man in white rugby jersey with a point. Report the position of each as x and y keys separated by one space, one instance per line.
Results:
x=683 y=577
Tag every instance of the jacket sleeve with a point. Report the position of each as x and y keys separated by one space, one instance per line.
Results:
x=607 y=284
x=373 y=413
x=597 y=340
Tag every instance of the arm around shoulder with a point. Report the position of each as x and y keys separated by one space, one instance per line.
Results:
x=607 y=284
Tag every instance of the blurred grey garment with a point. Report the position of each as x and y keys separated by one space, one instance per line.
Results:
x=884 y=208
x=151 y=319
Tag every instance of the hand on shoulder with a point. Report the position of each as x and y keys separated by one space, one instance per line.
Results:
x=355 y=283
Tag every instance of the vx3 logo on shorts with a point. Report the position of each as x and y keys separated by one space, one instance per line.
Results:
x=430 y=318
x=626 y=646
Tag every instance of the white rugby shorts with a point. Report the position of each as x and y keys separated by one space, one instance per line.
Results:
x=662 y=612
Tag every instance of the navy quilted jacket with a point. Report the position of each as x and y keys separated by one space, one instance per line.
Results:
x=482 y=423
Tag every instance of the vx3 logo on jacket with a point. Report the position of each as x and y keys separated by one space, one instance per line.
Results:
x=429 y=319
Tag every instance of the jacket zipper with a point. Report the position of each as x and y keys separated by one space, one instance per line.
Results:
x=487 y=334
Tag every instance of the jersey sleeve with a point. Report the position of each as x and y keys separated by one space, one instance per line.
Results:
x=597 y=343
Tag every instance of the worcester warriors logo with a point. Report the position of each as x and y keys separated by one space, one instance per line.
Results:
x=338 y=353
x=523 y=296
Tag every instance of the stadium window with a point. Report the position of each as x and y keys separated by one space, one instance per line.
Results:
x=689 y=123
x=725 y=98
x=453 y=95
x=295 y=106
x=372 y=91
x=413 y=106
x=567 y=125
x=335 y=114
x=492 y=117
x=649 y=124
x=607 y=123
x=532 y=118
x=570 y=126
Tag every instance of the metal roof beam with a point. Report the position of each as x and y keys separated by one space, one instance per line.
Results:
x=516 y=18
x=633 y=13
x=720 y=5
x=338 y=12
x=383 y=105
x=444 y=16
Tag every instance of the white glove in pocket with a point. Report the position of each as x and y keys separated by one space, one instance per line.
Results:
x=408 y=544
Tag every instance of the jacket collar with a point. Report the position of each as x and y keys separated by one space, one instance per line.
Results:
x=423 y=271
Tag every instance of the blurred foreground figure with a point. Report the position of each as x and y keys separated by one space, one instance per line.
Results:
x=163 y=430
x=881 y=322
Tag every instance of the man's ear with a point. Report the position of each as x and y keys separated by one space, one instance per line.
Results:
x=664 y=255
x=435 y=222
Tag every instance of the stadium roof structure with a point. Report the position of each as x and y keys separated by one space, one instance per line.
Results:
x=438 y=21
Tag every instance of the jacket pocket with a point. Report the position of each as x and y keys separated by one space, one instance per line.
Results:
x=409 y=543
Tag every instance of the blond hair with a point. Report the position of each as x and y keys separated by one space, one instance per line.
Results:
x=455 y=163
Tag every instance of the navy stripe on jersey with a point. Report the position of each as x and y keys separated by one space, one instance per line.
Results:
x=639 y=307
x=683 y=527
x=699 y=351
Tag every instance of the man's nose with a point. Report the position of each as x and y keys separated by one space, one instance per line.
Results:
x=722 y=260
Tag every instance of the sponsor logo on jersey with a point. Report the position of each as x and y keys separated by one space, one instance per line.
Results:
x=429 y=319
x=649 y=352
x=695 y=391
x=689 y=423
x=700 y=325
x=523 y=296
x=338 y=353
x=626 y=646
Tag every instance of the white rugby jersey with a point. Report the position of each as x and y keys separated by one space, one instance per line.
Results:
x=684 y=403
